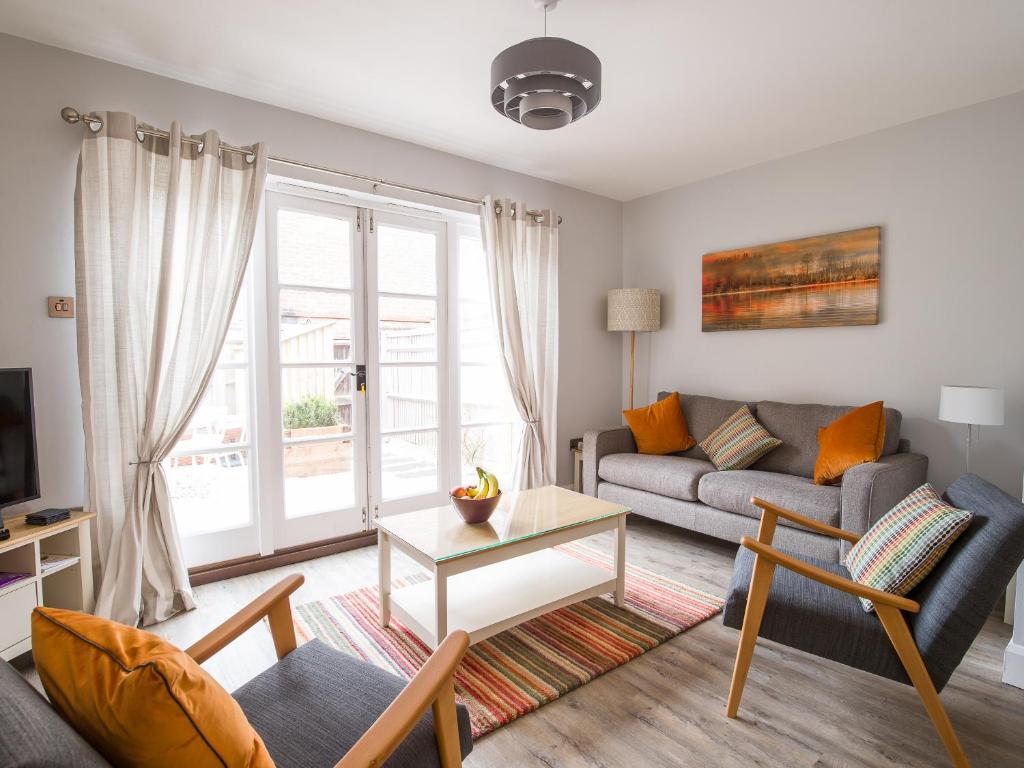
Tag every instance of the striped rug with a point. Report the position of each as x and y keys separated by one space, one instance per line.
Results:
x=521 y=669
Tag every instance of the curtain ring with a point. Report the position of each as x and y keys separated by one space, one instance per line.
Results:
x=200 y=146
x=140 y=135
x=250 y=158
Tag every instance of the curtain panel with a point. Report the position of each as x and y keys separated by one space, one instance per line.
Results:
x=163 y=231
x=522 y=269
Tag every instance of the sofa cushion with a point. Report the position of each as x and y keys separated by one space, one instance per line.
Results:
x=739 y=441
x=673 y=476
x=32 y=734
x=856 y=438
x=659 y=428
x=732 y=490
x=797 y=427
x=315 y=703
x=704 y=415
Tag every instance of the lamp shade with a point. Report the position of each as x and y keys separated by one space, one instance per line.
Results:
x=971 y=405
x=634 y=309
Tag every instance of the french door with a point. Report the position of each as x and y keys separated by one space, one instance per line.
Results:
x=360 y=378
x=357 y=375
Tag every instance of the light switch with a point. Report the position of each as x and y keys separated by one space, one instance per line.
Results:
x=61 y=306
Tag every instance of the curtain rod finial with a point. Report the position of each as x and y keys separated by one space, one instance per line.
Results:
x=70 y=115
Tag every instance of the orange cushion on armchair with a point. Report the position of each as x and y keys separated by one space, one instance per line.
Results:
x=852 y=439
x=136 y=698
x=660 y=428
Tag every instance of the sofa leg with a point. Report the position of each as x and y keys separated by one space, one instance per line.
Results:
x=757 y=596
x=898 y=632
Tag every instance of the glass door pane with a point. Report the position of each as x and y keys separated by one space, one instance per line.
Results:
x=407 y=273
x=314 y=282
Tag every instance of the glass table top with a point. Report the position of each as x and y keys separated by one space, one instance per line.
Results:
x=441 y=534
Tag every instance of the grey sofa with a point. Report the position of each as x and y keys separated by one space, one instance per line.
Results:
x=687 y=490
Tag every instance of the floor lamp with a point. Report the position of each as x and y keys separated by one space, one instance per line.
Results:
x=971 y=406
x=634 y=310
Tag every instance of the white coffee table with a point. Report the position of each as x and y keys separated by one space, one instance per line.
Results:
x=496 y=575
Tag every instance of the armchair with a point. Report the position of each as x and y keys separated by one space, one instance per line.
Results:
x=920 y=639
x=343 y=703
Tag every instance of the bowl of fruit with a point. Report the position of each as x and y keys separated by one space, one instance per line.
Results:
x=476 y=503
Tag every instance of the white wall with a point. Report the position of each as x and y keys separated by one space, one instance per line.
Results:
x=38 y=153
x=948 y=192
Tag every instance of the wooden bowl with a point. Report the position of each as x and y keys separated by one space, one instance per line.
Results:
x=476 y=511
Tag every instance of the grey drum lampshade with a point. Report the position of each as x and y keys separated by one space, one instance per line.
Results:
x=546 y=82
x=634 y=309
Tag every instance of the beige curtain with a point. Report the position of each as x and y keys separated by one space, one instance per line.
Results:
x=522 y=267
x=163 y=231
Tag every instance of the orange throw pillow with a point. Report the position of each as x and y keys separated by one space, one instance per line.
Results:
x=852 y=439
x=660 y=428
x=136 y=698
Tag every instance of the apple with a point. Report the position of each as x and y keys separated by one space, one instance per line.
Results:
x=459 y=492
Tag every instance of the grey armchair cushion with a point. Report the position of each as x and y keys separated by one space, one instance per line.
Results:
x=32 y=734
x=314 y=704
x=733 y=489
x=704 y=415
x=958 y=596
x=797 y=427
x=672 y=476
x=807 y=615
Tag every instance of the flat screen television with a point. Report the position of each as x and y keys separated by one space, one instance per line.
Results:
x=19 y=468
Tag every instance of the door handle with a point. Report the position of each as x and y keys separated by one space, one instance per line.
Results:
x=360 y=374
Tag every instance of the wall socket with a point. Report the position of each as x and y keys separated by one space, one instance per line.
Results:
x=60 y=306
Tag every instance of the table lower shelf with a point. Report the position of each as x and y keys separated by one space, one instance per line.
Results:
x=492 y=598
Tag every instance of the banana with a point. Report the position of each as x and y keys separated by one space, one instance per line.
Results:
x=492 y=486
x=483 y=489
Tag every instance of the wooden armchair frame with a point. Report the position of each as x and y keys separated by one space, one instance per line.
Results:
x=431 y=688
x=888 y=607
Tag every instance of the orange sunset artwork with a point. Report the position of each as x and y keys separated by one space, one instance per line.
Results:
x=815 y=281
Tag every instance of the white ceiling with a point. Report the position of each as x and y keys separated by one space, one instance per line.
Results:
x=692 y=88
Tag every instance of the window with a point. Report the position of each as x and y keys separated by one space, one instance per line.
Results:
x=489 y=422
x=209 y=469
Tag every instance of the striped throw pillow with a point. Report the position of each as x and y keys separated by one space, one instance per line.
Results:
x=904 y=546
x=739 y=442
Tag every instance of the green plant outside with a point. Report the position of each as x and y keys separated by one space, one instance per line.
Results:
x=310 y=411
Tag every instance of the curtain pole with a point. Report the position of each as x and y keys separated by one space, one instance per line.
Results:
x=71 y=116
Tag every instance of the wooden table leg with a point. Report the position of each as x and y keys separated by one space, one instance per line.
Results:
x=440 y=604
x=620 y=562
x=384 y=575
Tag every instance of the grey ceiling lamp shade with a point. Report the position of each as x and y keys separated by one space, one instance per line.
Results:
x=545 y=82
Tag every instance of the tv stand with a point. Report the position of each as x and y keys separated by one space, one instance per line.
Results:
x=66 y=584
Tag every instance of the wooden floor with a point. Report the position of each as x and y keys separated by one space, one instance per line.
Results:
x=667 y=708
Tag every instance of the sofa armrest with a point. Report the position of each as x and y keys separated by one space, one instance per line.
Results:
x=870 y=490
x=603 y=442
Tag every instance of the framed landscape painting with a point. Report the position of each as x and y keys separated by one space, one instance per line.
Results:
x=814 y=281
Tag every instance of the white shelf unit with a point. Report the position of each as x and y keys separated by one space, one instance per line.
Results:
x=67 y=585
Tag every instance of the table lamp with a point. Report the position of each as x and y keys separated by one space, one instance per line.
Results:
x=971 y=406
x=633 y=310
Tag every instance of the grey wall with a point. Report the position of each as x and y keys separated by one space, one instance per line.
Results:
x=38 y=153
x=948 y=192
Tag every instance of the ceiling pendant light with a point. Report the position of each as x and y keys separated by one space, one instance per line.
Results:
x=545 y=82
